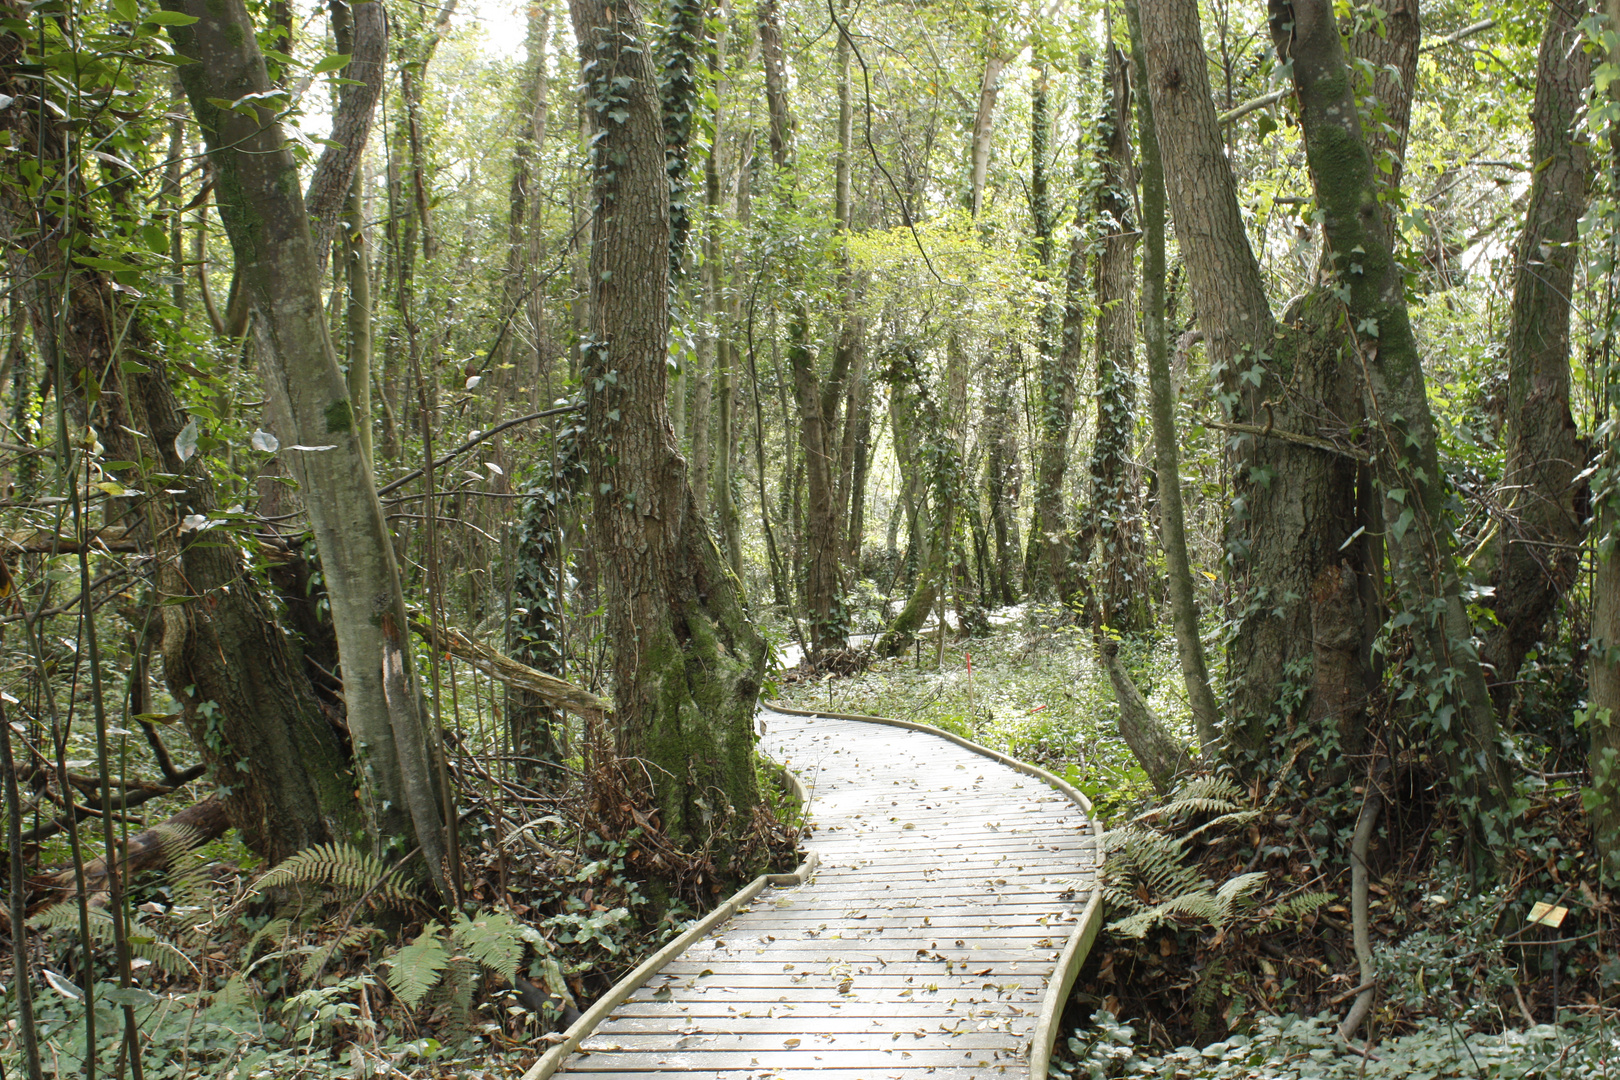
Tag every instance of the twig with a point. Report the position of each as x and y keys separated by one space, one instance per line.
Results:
x=470 y=443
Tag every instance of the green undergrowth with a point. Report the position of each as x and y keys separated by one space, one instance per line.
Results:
x=1035 y=692
x=1296 y=1048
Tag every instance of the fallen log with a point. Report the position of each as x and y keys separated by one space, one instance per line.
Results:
x=204 y=821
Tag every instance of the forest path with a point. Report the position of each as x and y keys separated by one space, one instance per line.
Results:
x=949 y=884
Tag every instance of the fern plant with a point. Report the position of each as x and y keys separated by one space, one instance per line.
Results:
x=444 y=959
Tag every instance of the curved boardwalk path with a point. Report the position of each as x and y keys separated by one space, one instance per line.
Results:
x=947 y=887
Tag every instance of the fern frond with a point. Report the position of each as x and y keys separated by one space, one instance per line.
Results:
x=144 y=941
x=187 y=873
x=1297 y=907
x=494 y=939
x=321 y=954
x=413 y=970
x=337 y=866
x=274 y=930
x=1234 y=889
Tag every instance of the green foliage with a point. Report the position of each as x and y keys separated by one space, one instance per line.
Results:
x=416 y=968
x=1147 y=871
x=347 y=870
x=1299 y=1048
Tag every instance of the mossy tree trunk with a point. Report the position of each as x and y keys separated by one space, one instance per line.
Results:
x=1047 y=564
x=280 y=762
x=403 y=784
x=1368 y=284
x=1538 y=550
x=687 y=663
x=1115 y=514
x=1293 y=506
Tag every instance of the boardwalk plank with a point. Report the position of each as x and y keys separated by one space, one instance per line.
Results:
x=921 y=948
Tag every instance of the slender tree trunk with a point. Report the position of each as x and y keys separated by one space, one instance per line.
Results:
x=983 y=128
x=1166 y=454
x=1543 y=520
x=818 y=400
x=1046 y=570
x=687 y=662
x=1003 y=476
x=403 y=784
x=1390 y=48
x=357 y=316
x=1603 y=657
x=780 y=128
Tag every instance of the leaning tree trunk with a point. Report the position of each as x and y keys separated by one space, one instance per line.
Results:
x=1543 y=520
x=404 y=788
x=1371 y=291
x=687 y=663
x=1166 y=454
x=238 y=678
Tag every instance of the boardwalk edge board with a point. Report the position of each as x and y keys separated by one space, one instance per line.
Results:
x=1046 y=1032
x=581 y=1029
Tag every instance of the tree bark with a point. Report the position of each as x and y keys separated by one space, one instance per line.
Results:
x=1151 y=743
x=281 y=763
x=1370 y=288
x=1166 y=453
x=983 y=127
x=1543 y=519
x=402 y=776
x=687 y=662
x=1293 y=507
x=365 y=25
x=1046 y=569
x=1116 y=505
x=1003 y=476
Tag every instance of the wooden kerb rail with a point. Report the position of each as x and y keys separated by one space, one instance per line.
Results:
x=939 y=936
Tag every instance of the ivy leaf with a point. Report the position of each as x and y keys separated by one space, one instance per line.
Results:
x=333 y=62
x=185 y=443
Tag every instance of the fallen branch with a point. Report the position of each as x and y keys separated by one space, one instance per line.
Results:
x=558 y=693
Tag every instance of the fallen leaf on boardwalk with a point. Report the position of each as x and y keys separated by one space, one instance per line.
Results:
x=790 y=1043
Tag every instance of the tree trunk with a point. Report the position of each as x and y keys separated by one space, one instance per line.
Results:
x=983 y=128
x=404 y=788
x=1390 y=48
x=1543 y=520
x=1151 y=743
x=1603 y=678
x=281 y=763
x=1603 y=657
x=687 y=663
x=1003 y=476
x=1420 y=543
x=1046 y=569
x=1166 y=454
x=1294 y=506
x=1116 y=503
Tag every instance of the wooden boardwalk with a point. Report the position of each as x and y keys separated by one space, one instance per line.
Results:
x=948 y=885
